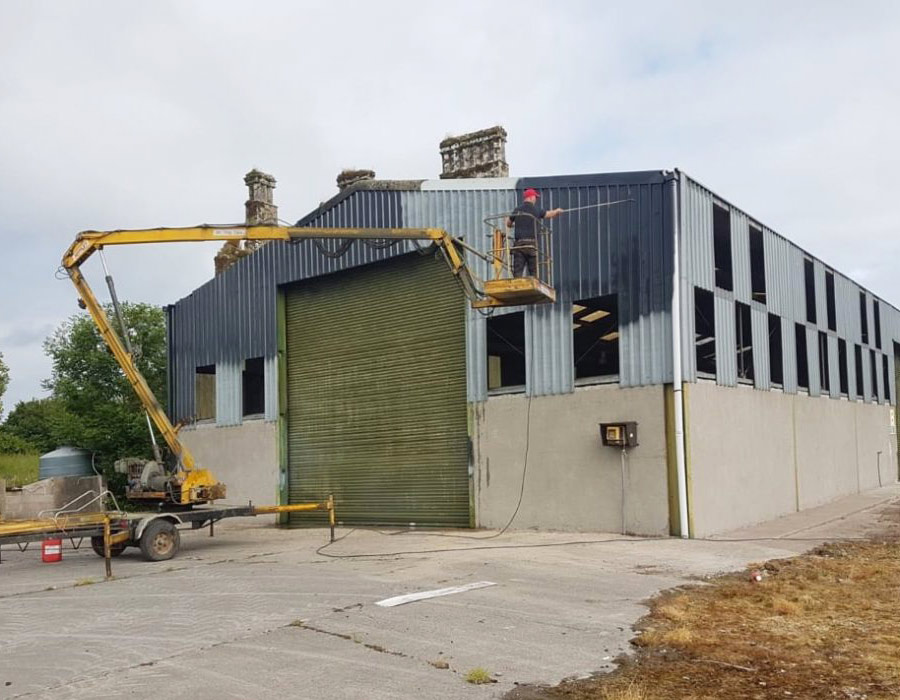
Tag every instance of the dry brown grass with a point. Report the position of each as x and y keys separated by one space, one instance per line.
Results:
x=822 y=625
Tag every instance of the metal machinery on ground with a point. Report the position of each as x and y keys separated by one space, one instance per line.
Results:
x=182 y=482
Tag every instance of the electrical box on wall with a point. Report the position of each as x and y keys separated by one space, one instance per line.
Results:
x=619 y=434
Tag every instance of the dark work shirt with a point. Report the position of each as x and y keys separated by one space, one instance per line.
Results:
x=527 y=220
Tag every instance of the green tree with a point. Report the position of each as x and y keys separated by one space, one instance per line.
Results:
x=40 y=422
x=4 y=381
x=101 y=412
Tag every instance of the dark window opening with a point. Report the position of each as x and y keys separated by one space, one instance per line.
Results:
x=205 y=392
x=874 y=373
x=506 y=350
x=842 y=367
x=876 y=312
x=705 y=331
x=886 y=378
x=860 y=386
x=595 y=337
x=253 y=383
x=757 y=265
x=829 y=300
x=802 y=359
x=824 y=368
x=863 y=319
x=809 y=277
x=776 y=357
x=743 y=336
x=722 y=247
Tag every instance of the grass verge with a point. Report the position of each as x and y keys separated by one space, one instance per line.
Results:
x=18 y=470
x=822 y=625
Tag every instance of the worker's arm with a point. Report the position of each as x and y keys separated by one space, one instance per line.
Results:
x=552 y=213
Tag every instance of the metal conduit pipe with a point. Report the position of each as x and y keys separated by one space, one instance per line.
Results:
x=677 y=374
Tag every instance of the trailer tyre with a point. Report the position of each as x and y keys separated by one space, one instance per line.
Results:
x=114 y=549
x=160 y=541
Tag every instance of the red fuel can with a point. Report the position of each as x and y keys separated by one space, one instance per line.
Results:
x=51 y=550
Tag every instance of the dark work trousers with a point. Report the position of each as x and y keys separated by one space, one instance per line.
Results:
x=524 y=254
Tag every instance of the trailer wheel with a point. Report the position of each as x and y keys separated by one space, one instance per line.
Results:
x=160 y=541
x=114 y=549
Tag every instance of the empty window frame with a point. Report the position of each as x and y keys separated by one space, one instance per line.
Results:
x=829 y=300
x=876 y=312
x=886 y=378
x=743 y=340
x=874 y=373
x=595 y=337
x=506 y=351
x=809 y=278
x=705 y=332
x=205 y=393
x=860 y=385
x=802 y=357
x=824 y=367
x=842 y=367
x=863 y=319
x=253 y=384
x=722 y=247
x=757 y=265
x=776 y=354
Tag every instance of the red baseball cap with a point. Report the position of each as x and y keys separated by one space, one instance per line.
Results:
x=530 y=193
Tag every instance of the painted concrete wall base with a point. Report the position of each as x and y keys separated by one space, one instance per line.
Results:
x=572 y=482
x=243 y=457
x=756 y=455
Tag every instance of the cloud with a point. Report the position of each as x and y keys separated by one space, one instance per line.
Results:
x=138 y=114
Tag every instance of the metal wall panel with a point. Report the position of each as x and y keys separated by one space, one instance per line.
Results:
x=834 y=365
x=789 y=356
x=270 y=372
x=697 y=256
x=740 y=256
x=726 y=352
x=229 y=396
x=821 y=304
x=548 y=338
x=812 y=354
x=762 y=374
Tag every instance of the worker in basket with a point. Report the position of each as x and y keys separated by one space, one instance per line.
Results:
x=526 y=218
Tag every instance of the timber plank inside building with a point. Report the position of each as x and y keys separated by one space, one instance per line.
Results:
x=376 y=387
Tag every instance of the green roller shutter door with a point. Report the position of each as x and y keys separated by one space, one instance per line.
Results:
x=377 y=393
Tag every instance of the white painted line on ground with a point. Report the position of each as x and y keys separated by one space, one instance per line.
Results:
x=423 y=595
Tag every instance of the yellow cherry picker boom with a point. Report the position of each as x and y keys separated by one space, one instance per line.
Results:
x=187 y=484
x=177 y=486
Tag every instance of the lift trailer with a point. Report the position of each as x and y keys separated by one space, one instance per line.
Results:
x=156 y=534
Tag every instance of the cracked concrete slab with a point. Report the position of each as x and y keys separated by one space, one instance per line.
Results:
x=257 y=610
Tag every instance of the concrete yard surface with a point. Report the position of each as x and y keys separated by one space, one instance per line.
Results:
x=257 y=610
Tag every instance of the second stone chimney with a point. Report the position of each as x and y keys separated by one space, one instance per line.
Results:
x=259 y=210
x=478 y=154
x=346 y=178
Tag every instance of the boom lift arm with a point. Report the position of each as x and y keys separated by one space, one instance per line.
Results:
x=189 y=484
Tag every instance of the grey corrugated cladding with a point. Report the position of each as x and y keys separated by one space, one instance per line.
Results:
x=785 y=297
x=623 y=249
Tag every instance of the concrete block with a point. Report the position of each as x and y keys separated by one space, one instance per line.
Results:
x=51 y=495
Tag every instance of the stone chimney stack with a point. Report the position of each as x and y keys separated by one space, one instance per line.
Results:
x=478 y=154
x=259 y=210
x=346 y=178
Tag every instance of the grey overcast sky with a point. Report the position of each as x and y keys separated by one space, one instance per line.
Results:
x=121 y=114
